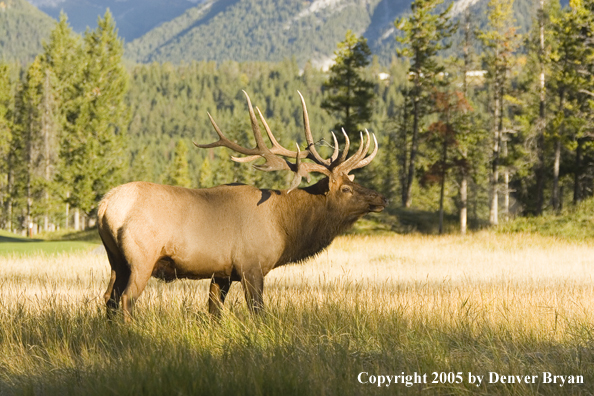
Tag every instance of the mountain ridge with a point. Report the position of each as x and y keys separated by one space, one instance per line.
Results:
x=251 y=30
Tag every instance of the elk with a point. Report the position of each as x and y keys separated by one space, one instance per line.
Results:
x=232 y=232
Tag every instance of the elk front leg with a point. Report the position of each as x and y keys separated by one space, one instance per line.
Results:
x=219 y=287
x=253 y=286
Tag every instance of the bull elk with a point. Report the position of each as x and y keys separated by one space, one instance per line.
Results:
x=232 y=232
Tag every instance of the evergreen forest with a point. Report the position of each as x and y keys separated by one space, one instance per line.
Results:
x=497 y=126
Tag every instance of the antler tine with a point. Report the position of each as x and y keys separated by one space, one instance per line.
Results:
x=367 y=160
x=336 y=151
x=347 y=166
x=308 y=137
x=224 y=142
x=255 y=127
x=297 y=179
x=276 y=147
x=347 y=145
x=261 y=151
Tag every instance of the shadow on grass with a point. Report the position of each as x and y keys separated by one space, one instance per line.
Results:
x=10 y=239
x=250 y=359
x=409 y=221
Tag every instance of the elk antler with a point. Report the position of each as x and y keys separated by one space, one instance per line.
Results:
x=332 y=167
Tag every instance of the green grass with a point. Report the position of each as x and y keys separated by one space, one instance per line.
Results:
x=13 y=244
x=572 y=223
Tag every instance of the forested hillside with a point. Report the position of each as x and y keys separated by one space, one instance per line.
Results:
x=22 y=30
x=133 y=17
x=272 y=30
x=219 y=30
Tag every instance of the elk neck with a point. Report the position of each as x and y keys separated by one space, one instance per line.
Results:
x=309 y=222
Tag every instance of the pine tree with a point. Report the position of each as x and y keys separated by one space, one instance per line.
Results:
x=178 y=174
x=500 y=41
x=572 y=69
x=425 y=32
x=350 y=96
x=205 y=177
x=5 y=142
x=62 y=61
x=27 y=142
x=93 y=146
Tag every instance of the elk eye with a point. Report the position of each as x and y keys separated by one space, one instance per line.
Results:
x=346 y=189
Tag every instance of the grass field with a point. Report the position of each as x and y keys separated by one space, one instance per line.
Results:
x=385 y=305
x=15 y=245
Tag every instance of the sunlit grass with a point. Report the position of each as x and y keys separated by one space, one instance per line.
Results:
x=514 y=304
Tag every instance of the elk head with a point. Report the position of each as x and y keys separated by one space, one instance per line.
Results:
x=343 y=193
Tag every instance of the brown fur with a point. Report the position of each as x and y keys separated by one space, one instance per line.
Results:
x=226 y=233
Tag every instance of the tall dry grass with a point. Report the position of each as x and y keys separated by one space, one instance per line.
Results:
x=512 y=304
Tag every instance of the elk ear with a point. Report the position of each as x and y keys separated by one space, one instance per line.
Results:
x=351 y=177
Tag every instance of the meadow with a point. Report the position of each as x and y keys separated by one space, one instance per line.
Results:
x=367 y=309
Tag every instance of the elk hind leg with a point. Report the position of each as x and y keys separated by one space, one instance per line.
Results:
x=136 y=284
x=253 y=287
x=120 y=274
x=219 y=287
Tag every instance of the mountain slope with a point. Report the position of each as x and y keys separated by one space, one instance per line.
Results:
x=254 y=30
x=271 y=30
x=22 y=30
x=133 y=17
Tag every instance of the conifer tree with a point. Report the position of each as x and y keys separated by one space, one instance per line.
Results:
x=572 y=69
x=93 y=146
x=5 y=139
x=350 y=96
x=27 y=142
x=500 y=41
x=205 y=177
x=178 y=174
x=425 y=32
x=62 y=61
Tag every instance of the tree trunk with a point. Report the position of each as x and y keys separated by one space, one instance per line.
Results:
x=506 y=194
x=404 y=157
x=443 y=178
x=28 y=219
x=463 y=203
x=540 y=143
x=577 y=193
x=556 y=164
x=464 y=178
x=413 y=150
x=494 y=177
x=47 y=125
x=9 y=186
x=505 y=177
x=76 y=219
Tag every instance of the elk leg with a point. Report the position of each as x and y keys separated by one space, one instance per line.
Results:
x=120 y=273
x=120 y=278
x=136 y=284
x=253 y=286
x=219 y=287
x=109 y=290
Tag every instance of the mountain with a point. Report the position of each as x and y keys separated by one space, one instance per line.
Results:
x=252 y=30
x=22 y=30
x=133 y=17
x=271 y=30
x=242 y=30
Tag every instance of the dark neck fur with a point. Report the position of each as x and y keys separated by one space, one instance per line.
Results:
x=309 y=223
